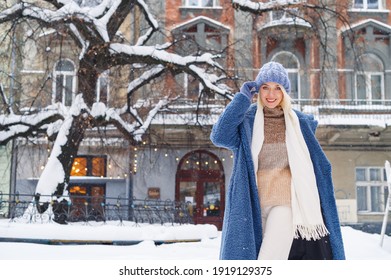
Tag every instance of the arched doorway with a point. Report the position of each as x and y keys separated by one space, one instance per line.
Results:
x=200 y=183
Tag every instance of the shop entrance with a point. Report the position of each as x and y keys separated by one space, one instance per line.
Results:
x=200 y=184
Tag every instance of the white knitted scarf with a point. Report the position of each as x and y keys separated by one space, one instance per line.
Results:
x=306 y=211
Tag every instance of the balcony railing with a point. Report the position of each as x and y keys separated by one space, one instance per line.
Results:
x=92 y=210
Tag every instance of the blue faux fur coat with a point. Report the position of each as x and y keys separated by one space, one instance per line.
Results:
x=242 y=228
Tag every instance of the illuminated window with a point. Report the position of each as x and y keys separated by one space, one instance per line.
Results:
x=89 y=166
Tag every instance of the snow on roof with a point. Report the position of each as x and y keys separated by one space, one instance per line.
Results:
x=366 y=22
x=286 y=21
x=202 y=18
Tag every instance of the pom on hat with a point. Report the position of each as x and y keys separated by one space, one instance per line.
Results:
x=273 y=72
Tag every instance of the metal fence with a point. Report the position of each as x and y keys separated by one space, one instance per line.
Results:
x=92 y=209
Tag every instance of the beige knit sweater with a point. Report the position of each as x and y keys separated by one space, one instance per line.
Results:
x=274 y=175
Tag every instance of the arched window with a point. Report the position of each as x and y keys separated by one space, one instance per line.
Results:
x=64 y=82
x=200 y=184
x=369 y=82
x=291 y=63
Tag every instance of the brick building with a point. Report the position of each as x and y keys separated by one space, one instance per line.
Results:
x=340 y=72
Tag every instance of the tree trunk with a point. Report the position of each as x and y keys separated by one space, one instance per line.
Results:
x=56 y=174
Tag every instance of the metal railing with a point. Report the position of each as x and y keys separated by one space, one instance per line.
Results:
x=92 y=209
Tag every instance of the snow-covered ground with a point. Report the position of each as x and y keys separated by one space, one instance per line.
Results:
x=198 y=242
x=198 y=249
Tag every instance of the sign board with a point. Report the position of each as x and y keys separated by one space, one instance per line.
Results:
x=154 y=193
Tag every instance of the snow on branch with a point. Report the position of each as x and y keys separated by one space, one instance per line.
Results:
x=12 y=125
x=187 y=64
x=259 y=7
x=84 y=44
x=152 y=113
x=96 y=18
x=4 y=100
x=145 y=78
x=149 y=17
x=133 y=130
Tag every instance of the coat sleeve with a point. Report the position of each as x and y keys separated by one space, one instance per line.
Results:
x=322 y=169
x=225 y=132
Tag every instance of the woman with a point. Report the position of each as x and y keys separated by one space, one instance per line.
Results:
x=280 y=202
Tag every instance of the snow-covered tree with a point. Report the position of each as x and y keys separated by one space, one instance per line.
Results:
x=95 y=33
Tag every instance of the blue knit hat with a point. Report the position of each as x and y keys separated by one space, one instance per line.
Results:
x=273 y=72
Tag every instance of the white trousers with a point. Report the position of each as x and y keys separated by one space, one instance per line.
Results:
x=277 y=233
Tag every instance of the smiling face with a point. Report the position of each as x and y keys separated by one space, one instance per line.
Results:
x=271 y=94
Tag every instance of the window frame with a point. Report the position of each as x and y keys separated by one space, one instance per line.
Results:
x=104 y=75
x=365 y=5
x=200 y=4
x=285 y=15
x=295 y=71
x=89 y=164
x=65 y=74
x=368 y=88
x=368 y=186
x=200 y=31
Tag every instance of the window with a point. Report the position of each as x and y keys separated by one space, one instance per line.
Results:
x=192 y=86
x=64 y=82
x=89 y=166
x=367 y=4
x=200 y=3
x=197 y=37
x=87 y=199
x=284 y=15
x=291 y=64
x=102 y=88
x=372 y=190
x=370 y=81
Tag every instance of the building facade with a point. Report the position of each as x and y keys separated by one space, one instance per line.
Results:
x=340 y=71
